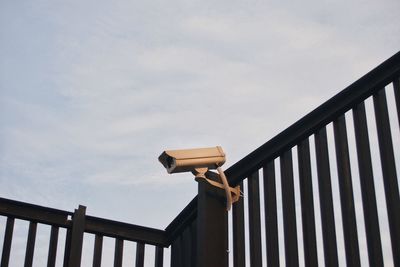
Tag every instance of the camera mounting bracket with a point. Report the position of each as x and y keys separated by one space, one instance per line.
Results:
x=200 y=173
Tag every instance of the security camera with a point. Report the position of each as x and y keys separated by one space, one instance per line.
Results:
x=199 y=161
x=188 y=160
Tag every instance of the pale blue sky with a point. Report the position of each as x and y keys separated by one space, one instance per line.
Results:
x=91 y=92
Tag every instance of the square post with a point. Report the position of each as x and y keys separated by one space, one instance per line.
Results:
x=212 y=226
x=76 y=238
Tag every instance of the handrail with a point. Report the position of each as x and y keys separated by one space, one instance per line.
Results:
x=184 y=218
x=126 y=231
x=35 y=213
x=322 y=115
x=343 y=101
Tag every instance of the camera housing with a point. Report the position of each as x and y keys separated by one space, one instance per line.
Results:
x=187 y=160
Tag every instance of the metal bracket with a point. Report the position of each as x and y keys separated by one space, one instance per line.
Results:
x=200 y=173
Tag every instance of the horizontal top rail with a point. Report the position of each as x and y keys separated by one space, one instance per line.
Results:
x=319 y=117
x=35 y=213
x=343 y=101
x=94 y=225
x=125 y=231
x=185 y=217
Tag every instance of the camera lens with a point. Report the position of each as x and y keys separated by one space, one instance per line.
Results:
x=170 y=161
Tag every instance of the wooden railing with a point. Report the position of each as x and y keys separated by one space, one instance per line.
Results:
x=76 y=224
x=315 y=168
x=266 y=221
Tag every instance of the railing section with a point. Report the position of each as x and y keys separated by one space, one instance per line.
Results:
x=312 y=197
x=77 y=225
x=327 y=175
x=325 y=191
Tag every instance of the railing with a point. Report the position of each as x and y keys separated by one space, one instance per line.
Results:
x=264 y=222
x=76 y=224
x=349 y=102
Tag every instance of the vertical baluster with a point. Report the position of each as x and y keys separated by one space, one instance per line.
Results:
x=139 y=255
x=176 y=253
x=187 y=247
x=396 y=87
x=67 y=247
x=307 y=204
x=367 y=186
x=97 y=251
x=30 y=244
x=325 y=196
x=388 y=171
x=118 y=252
x=5 y=256
x=239 y=259
x=51 y=260
x=193 y=232
x=271 y=218
x=159 y=257
x=289 y=210
x=254 y=220
x=346 y=192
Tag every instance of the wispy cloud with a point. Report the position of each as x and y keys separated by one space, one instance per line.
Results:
x=93 y=92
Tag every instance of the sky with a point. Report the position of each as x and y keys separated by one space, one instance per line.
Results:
x=91 y=92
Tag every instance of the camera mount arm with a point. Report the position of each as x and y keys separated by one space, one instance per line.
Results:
x=232 y=193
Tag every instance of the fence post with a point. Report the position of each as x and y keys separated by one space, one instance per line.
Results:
x=78 y=228
x=212 y=226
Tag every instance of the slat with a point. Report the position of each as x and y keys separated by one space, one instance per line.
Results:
x=159 y=261
x=396 y=87
x=325 y=196
x=239 y=255
x=30 y=244
x=5 y=256
x=289 y=210
x=193 y=232
x=139 y=255
x=67 y=247
x=346 y=192
x=118 y=252
x=254 y=220
x=176 y=253
x=388 y=171
x=187 y=247
x=97 y=251
x=271 y=219
x=367 y=186
x=51 y=260
x=307 y=204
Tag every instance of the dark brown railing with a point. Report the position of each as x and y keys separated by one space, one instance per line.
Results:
x=76 y=224
x=265 y=221
x=297 y=137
